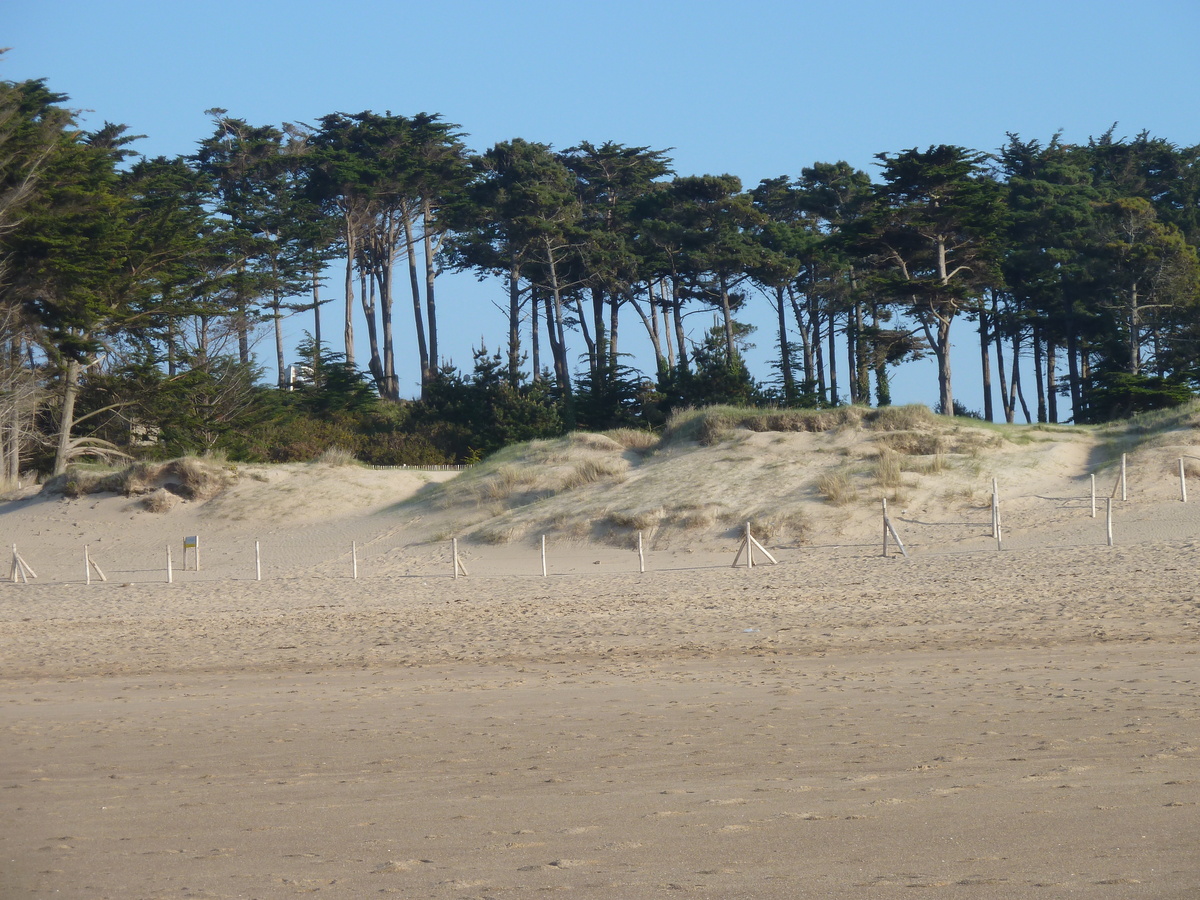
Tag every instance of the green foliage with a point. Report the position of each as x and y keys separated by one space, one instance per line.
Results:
x=717 y=377
x=1119 y=395
x=475 y=416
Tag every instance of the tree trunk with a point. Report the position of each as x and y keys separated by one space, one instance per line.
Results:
x=375 y=362
x=66 y=419
x=1135 y=344
x=941 y=350
x=785 y=354
x=1016 y=377
x=277 y=319
x=851 y=333
x=806 y=342
x=316 y=295
x=1006 y=399
x=435 y=361
x=588 y=340
x=833 y=384
x=597 y=329
x=986 y=364
x=1052 y=381
x=172 y=349
x=727 y=317
x=677 y=315
x=862 y=352
x=613 y=333
x=1038 y=380
x=348 y=325
x=558 y=341
x=535 y=345
x=651 y=323
x=1073 y=375
x=883 y=381
x=664 y=307
x=415 y=284
x=514 y=325
x=814 y=316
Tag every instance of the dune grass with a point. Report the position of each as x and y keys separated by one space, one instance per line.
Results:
x=188 y=477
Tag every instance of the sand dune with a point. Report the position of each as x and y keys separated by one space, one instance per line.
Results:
x=970 y=721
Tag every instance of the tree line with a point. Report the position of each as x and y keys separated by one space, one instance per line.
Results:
x=132 y=289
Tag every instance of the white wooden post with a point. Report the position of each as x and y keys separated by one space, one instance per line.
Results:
x=1108 y=518
x=1182 y=482
x=543 y=556
x=749 y=548
x=641 y=555
x=1124 y=493
x=459 y=568
x=1093 y=496
x=170 y=573
x=889 y=528
x=92 y=565
x=997 y=526
x=995 y=510
x=354 y=559
x=257 y=562
x=87 y=565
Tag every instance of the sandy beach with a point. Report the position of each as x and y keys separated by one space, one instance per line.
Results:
x=971 y=722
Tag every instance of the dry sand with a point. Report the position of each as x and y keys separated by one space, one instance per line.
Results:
x=968 y=722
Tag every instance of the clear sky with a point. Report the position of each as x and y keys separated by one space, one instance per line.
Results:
x=756 y=88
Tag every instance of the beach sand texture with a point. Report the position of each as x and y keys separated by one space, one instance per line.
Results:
x=968 y=722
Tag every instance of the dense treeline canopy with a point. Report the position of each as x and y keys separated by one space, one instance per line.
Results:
x=132 y=290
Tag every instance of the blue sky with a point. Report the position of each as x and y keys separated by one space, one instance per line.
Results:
x=753 y=88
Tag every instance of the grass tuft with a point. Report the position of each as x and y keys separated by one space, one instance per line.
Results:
x=837 y=488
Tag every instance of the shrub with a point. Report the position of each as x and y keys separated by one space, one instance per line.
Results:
x=336 y=456
x=159 y=501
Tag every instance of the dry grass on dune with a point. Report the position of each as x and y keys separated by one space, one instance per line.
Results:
x=189 y=478
x=787 y=472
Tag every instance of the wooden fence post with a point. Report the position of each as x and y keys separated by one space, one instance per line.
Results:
x=1108 y=519
x=888 y=528
x=641 y=556
x=257 y=562
x=459 y=568
x=543 y=556
x=1182 y=482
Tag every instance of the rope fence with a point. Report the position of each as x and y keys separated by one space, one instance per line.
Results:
x=447 y=559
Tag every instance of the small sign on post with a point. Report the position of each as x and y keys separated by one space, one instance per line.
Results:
x=191 y=543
